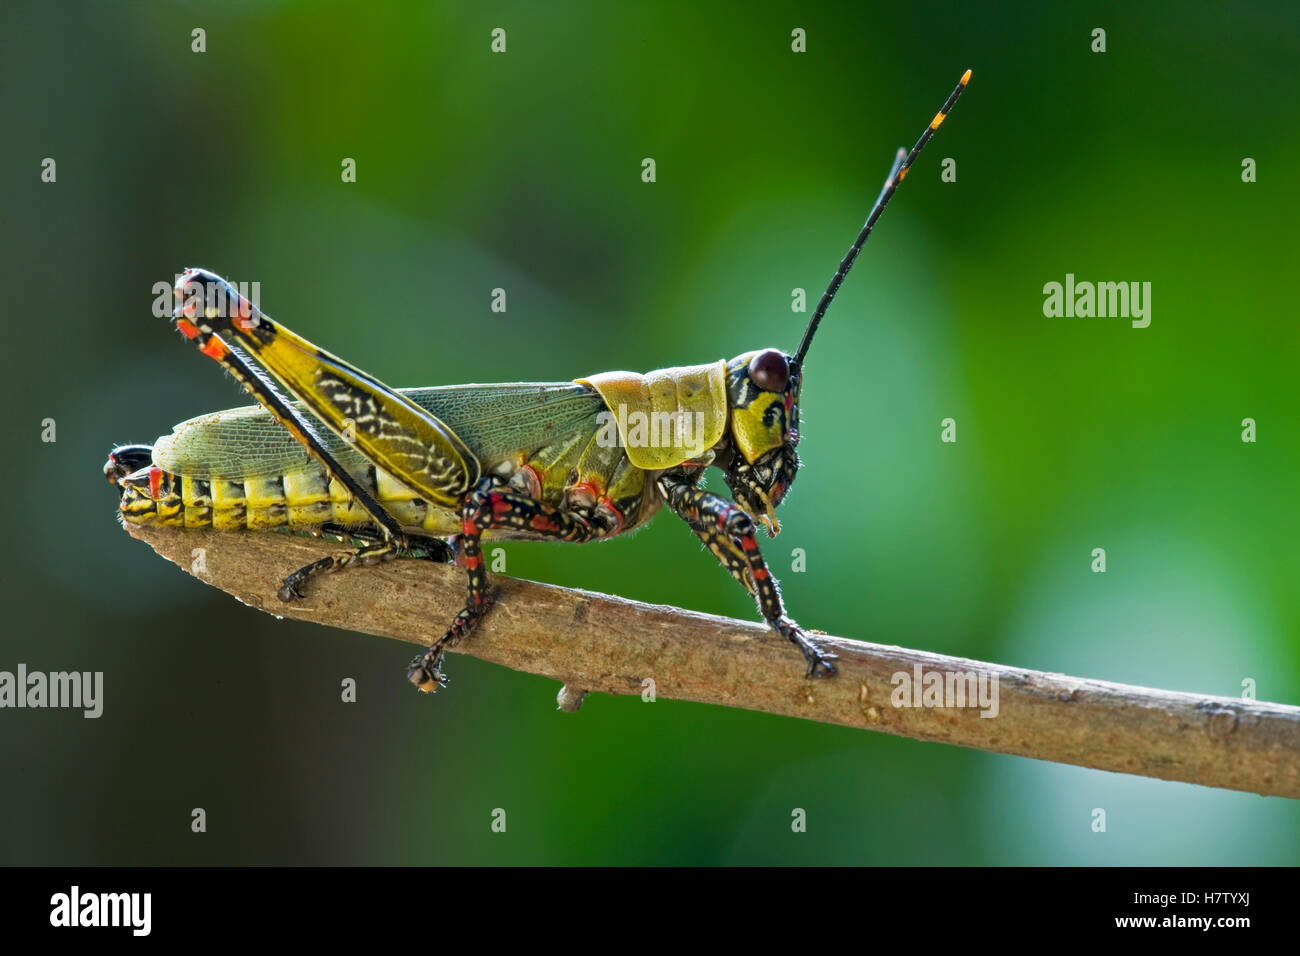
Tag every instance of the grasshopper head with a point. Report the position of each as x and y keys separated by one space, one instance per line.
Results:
x=763 y=395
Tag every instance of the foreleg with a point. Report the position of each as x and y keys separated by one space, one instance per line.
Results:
x=728 y=532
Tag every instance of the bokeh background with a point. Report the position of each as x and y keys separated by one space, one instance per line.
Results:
x=522 y=170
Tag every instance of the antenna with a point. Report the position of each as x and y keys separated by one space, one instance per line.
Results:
x=897 y=173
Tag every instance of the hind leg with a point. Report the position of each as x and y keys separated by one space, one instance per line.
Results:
x=377 y=548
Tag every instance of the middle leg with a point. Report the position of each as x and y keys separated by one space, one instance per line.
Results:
x=375 y=547
x=493 y=505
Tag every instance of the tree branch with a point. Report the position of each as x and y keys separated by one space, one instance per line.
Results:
x=594 y=642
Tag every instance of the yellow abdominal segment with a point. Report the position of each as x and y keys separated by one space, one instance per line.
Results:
x=301 y=499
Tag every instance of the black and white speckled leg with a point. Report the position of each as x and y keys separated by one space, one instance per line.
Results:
x=492 y=505
x=728 y=532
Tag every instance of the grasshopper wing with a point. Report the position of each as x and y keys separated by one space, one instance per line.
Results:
x=494 y=421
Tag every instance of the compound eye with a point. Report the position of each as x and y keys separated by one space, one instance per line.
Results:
x=769 y=370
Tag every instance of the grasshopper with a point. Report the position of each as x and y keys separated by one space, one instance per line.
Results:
x=430 y=472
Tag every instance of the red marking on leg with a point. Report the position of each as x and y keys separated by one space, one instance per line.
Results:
x=188 y=328
x=215 y=349
x=591 y=486
x=155 y=483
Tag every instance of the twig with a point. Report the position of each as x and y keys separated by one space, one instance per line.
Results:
x=594 y=642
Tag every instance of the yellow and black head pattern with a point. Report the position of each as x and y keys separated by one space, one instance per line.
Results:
x=763 y=394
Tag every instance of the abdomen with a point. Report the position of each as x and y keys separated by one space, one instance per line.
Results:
x=302 y=499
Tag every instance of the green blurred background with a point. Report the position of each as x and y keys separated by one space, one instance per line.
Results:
x=478 y=170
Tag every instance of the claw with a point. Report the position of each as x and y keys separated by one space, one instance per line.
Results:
x=820 y=662
x=425 y=675
x=822 y=665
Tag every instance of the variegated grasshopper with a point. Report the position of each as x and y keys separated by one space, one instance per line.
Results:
x=405 y=471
